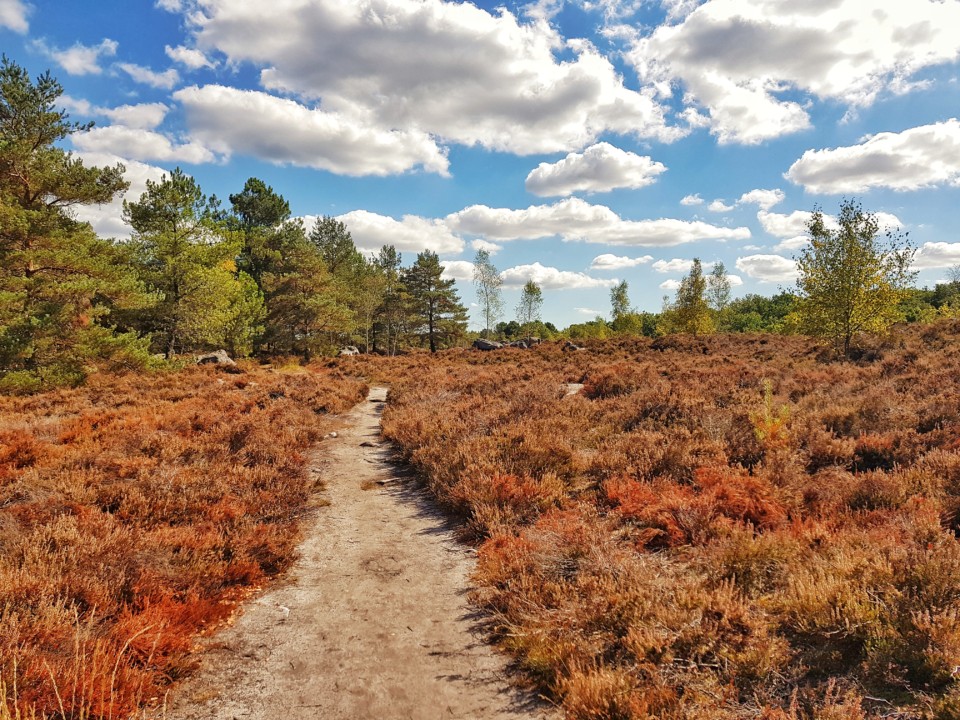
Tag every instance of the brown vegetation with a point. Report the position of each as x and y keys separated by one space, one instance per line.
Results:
x=721 y=527
x=134 y=514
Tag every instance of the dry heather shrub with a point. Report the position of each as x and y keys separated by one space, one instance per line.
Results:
x=709 y=552
x=135 y=516
x=620 y=378
x=828 y=701
x=505 y=500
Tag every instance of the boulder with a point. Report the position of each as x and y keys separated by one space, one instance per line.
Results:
x=531 y=341
x=349 y=350
x=518 y=344
x=481 y=344
x=218 y=357
x=570 y=346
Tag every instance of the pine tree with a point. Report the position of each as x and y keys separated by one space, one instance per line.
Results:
x=303 y=310
x=185 y=253
x=392 y=311
x=439 y=317
x=59 y=283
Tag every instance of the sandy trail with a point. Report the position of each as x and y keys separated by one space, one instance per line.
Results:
x=373 y=619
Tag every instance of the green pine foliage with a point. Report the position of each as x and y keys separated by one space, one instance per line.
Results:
x=59 y=283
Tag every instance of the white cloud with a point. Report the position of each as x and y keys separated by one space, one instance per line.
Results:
x=80 y=59
x=670 y=284
x=937 y=255
x=550 y=278
x=739 y=59
x=768 y=268
x=792 y=226
x=616 y=9
x=165 y=80
x=455 y=71
x=13 y=15
x=490 y=247
x=676 y=265
x=188 y=57
x=599 y=168
x=457 y=269
x=735 y=280
x=766 y=199
x=283 y=131
x=718 y=206
x=692 y=200
x=80 y=106
x=589 y=311
x=916 y=158
x=107 y=220
x=792 y=244
x=139 y=144
x=617 y=262
x=170 y=5
x=412 y=233
x=576 y=220
x=144 y=116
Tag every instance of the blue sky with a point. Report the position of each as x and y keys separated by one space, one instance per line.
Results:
x=582 y=142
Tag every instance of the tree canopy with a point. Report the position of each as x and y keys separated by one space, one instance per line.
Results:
x=59 y=282
x=850 y=280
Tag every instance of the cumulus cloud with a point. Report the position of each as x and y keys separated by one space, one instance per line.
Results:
x=574 y=219
x=793 y=225
x=589 y=311
x=768 y=268
x=145 y=116
x=719 y=206
x=452 y=70
x=937 y=255
x=457 y=269
x=676 y=265
x=599 y=168
x=107 y=220
x=670 y=284
x=140 y=144
x=412 y=233
x=739 y=59
x=608 y=261
x=13 y=15
x=165 y=80
x=282 y=131
x=692 y=200
x=916 y=158
x=188 y=57
x=80 y=59
x=792 y=244
x=550 y=278
x=490 y=247
x=782 y=225
x=766 y=199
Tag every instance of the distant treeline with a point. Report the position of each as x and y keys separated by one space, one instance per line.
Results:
x=197 y=274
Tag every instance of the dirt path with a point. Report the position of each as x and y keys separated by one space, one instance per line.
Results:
x=373 y=620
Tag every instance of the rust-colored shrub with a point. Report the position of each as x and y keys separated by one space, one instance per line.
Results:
x=714 y=547
x=134 y=512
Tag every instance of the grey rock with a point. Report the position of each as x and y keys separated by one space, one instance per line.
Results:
x=219 y=357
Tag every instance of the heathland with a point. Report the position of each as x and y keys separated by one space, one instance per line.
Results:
x=727 y=526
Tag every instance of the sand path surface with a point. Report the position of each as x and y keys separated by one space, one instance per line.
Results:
x=372 y=621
